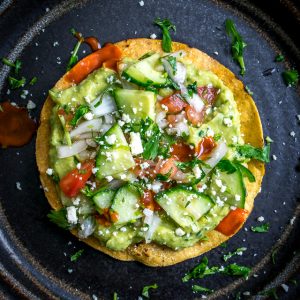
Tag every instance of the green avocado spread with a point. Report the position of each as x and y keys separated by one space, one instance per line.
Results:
x=137 y=154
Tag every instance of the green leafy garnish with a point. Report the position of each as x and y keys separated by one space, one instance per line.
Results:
x=269 y=140
x=223 y=245
x=248 y=90
x=198 y=271
x=115 y=296
x=279 y=58
x=249 y=151
x=146 y=55
x=245 y=172
x=263 y=228
x=226 y=166
x=189 y=165
x=237 y=46
x=75 y=256
x=33 y=81
x=59 y=218
x=273 y=256
x=173 y=63
x=15 y=83
x=238 y=251
x=87 y=191
x=74 y=57
x=271 y=293
x=198 y=288
x=164 y=177
x=79 y=113
x=17 y=65
x=192 y=89
x=145 y=291
x=290 y=77
x=236 y=270
x=166 y=26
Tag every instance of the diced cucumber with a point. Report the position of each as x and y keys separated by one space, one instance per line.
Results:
x=103 y=199
x=230 y=188
x=137 y=104
x=184 y=206
x=143 y=72
x=126 y=204
x=113 y=161
x=116 y=134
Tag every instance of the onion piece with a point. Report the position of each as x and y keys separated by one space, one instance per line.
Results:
x=86 y=154
x=66 y=151
x=87 y=126
x=107 y=105
x=178 y=76
x=91 y=143
x=153 y=223
x=217 y=154
x=161 y=119
x=196 y=102
x=87 y=227
x=109 y=119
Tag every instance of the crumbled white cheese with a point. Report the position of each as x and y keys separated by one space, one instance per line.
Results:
x=292 y=220
x=121 y=123
x=274 y=157
x=111 y=139
x=71 y=215
x=227 y=122
x=76 y=201
x=260 y=219
x=31 y=105
x=179 y=231
x=237 y=197
x=95 y=170
x=210 y=132
x=156 y=186
x=78 y=166
x=216 y=52
x=144 y=165
x=136 y=143
x=285 y=287
x=292 y=133
x=219 y=182
x=141 y=3
x=234 y=139
x=126 y=118
x=298 y=117
x=123 y=229
x=123 y=176
x=153 y=36
x=197 y=171
x=88 y=116
x=18 y=186
x=94 y=297
x=164 y=107
x=202 y=188
x=49 y=171
x=109 y=178
x=55 y=44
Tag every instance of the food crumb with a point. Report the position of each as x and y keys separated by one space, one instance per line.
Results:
x=292 y=220
x=247 y=293
x=285 y=287
x=216 y=52
x=298 y=117
x=31 y=105
x=292 y=133
x=55 y=44
x=260 y=219
x=94 y=297
x=153 y=36
x=274 y=157
x=142 y=3
x=18 y=185
x=70 y=271
x=47 y=9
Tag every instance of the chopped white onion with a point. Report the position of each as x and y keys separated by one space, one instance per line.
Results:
x=178 y=129
x=217 y=154
x=109 y=119
x=86 y=154
x=153 y=223
x=180 y=74
x=180 y=176
x=91 y=143
x=196 y=102
x=87 y=126
x=148 y=213
x=161 y=119
x=66 y=151
x=87 y=227
x=107 y=105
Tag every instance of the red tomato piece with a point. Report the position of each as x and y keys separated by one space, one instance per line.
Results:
x=174 y=103
x=74 y=181
x=193 y=116
x=205 y=147
x=167 y=166
x=114 y=216
x=233 y=221
x=149 y=202
x=182 y=151
x=148 y=171
x=209 y=94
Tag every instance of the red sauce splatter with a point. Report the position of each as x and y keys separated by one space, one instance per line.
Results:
x=205 y=147
x=16 y=127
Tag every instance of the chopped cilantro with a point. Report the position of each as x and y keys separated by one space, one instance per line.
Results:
x=273 y=256
x=198 y=288
x=236 y=270
x=262 y=228
x=279 y=58
x=145 y=291
x=290 y=77
x=249 y=151
x=33 y=81
x=166 y=26
x=271 y=293
x=238 y=251
x=75 y=256
x=217 y=136
x=223 y=245
x=192 y=89
x=115 y=296
x=245 y=172
x=202 y=133
x=269 y=140
x=248 y=90
x=74 y=57
x=237 y=46
x=17 y=65
x=191 y=164
x=164 y=177
x=227 y=166
x=173 y=63
x=15 y=83
x=87 y=191
x=79 y=113
x=198 y=271
x=59 y=218
x=146 y=55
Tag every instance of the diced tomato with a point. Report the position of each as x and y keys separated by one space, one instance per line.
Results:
x=87 y=65
x=167 y=167
x=193 y=116
x=141 y=171
x=182 y=151
x=174 y=103
x=149 y=202
x=103 y=220
x=209 y=94
x=232 y=222
x=114 y=216
x=205 y=147
x=173 y=119
x=74 y=181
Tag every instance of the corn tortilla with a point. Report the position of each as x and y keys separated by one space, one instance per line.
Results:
x=153 y=254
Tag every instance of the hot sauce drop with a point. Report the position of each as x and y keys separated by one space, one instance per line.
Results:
x=16 y=127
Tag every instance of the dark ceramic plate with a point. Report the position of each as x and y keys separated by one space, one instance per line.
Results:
x=35 y=255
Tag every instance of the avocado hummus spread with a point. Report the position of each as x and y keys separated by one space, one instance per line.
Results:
x=147 y=160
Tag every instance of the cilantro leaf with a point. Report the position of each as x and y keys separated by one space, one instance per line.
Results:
x=237 y=46
x=236 y=270
x=238 y=251
x=271 y=292
x=198 y=271
x=263 y=228
x=192 y=88
x=273 y=256
x=147 y=54
x=166 y=26
x=248 y=90
x=249 y=151
x=198 y=288
x=145 y=291
x=245 y=172
x=115 y=296
x=75 y=256
x=227 y=166
x=33 y=80
x=173 y=63
x=59 y=218
x=74 y=57
x=290 y=77
x=15 y=83
x=279 y=58
x=79 y=113
x=17 y=65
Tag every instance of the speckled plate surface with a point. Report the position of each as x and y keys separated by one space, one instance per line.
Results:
x=35 y=255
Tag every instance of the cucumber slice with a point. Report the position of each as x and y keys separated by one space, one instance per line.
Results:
x=143 y=72
x=137 y=104
x=103 y=199
x=126 y=204
x=113 y=161
x=184 y=206
x=116 y=134
x=235 y=193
